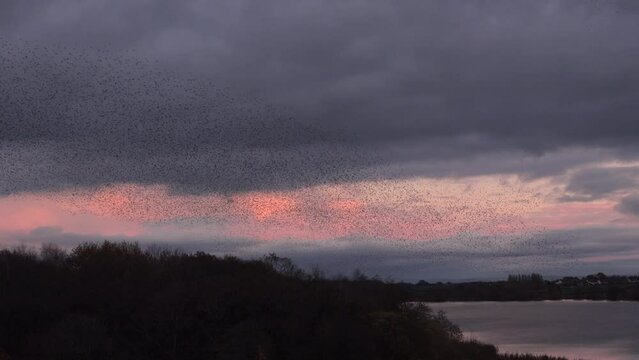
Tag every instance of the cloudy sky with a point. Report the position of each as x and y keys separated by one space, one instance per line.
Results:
x=412 y=139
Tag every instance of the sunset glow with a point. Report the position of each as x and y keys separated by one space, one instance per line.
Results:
x=414 y=209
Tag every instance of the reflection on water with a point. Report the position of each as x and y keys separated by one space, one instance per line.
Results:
x=576 y=329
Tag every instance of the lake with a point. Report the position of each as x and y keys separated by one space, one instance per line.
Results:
x=576 y=329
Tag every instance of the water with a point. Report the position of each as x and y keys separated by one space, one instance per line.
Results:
x=575 y=329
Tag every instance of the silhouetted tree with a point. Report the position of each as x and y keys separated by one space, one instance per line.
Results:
x=117 y=301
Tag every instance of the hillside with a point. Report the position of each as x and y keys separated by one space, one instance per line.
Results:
x=116 y=301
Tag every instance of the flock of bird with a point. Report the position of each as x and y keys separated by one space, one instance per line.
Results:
x=118 y=118
x=85 y=118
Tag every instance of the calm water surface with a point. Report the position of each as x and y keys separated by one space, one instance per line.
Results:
x=575 y=329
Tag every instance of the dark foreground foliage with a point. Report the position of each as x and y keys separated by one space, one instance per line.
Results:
x=116 y=301
x=527 y=357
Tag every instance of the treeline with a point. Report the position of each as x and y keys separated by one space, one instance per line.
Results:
x=117 y=301
x=530 y=287
x=526 y=278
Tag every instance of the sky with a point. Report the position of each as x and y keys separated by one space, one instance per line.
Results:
x=437 y=140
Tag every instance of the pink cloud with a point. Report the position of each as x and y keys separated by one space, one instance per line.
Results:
x=392 y=210
x=575 y=214
x=24 y=213
x=413 y=209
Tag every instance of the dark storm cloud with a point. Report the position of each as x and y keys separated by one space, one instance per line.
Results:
x=344 y=86
x=81 y=118
x=629 y=205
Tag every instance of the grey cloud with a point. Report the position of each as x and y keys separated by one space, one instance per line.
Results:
x=343 y=85
x=595 y=183
x=566 y=252
x=529 y=166
x=629 y=205
x=563 y=252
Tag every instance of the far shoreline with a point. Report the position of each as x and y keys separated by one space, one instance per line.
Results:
x=529 y=287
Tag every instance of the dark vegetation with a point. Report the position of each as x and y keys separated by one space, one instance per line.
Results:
x=530 y=287
x=117 y=301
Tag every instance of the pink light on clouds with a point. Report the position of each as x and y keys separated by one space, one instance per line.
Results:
x=25 y=213
x=415 y=209
x=266 y=206
x=571 y=214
